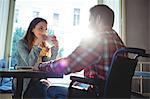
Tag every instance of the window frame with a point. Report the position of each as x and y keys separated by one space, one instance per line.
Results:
x=9 y=32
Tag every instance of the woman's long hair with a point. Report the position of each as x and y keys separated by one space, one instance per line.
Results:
x=30 y=37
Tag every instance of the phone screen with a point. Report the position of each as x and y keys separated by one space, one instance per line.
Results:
x=80 y=85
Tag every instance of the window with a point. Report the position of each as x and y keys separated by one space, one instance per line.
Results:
x=55 y=19
x=36 y=13
x=76 y=18
x=16 y=15
x=4 y=9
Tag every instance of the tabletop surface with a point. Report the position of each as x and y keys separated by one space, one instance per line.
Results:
x=28 y=73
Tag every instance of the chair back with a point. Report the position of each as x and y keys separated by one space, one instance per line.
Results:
x=118 y=82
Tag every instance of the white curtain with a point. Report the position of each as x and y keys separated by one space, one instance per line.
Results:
x=4 y=9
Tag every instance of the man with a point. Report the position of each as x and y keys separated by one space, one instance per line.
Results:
x=94 y=55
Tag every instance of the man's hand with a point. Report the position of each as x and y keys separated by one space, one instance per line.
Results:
x=45 y=66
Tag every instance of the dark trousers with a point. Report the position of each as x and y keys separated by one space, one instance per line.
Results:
x=57 y=92
x=36 y=90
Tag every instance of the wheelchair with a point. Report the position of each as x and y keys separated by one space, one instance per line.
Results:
x=118 y=82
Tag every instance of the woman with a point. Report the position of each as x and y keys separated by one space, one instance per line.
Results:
x=33 y=49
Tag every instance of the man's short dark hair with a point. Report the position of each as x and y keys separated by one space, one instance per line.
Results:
x=105 y=12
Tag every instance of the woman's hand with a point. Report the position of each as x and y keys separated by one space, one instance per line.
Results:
x=53 y=39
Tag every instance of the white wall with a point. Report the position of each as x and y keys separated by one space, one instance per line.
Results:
x=137 y=23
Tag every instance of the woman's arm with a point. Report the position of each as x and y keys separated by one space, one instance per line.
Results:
x=54 y=53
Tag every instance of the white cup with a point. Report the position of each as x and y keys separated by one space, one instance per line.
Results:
x=49 y=43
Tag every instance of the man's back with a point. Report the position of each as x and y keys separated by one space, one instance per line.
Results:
x=109 y=43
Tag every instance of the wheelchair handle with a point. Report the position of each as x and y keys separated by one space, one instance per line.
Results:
x=145 y=55
x=138 y=51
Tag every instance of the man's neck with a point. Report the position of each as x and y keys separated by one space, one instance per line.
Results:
x=105 y=28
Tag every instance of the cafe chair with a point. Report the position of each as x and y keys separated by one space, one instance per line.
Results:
x=118 y=81
x=5 y=83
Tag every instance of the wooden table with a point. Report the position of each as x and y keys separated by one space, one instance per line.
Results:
x=20 y=74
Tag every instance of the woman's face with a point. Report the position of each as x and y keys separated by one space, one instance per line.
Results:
x=40 y=29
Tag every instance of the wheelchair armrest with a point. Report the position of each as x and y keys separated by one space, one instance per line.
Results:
x=87 y=80
x=81 y=90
